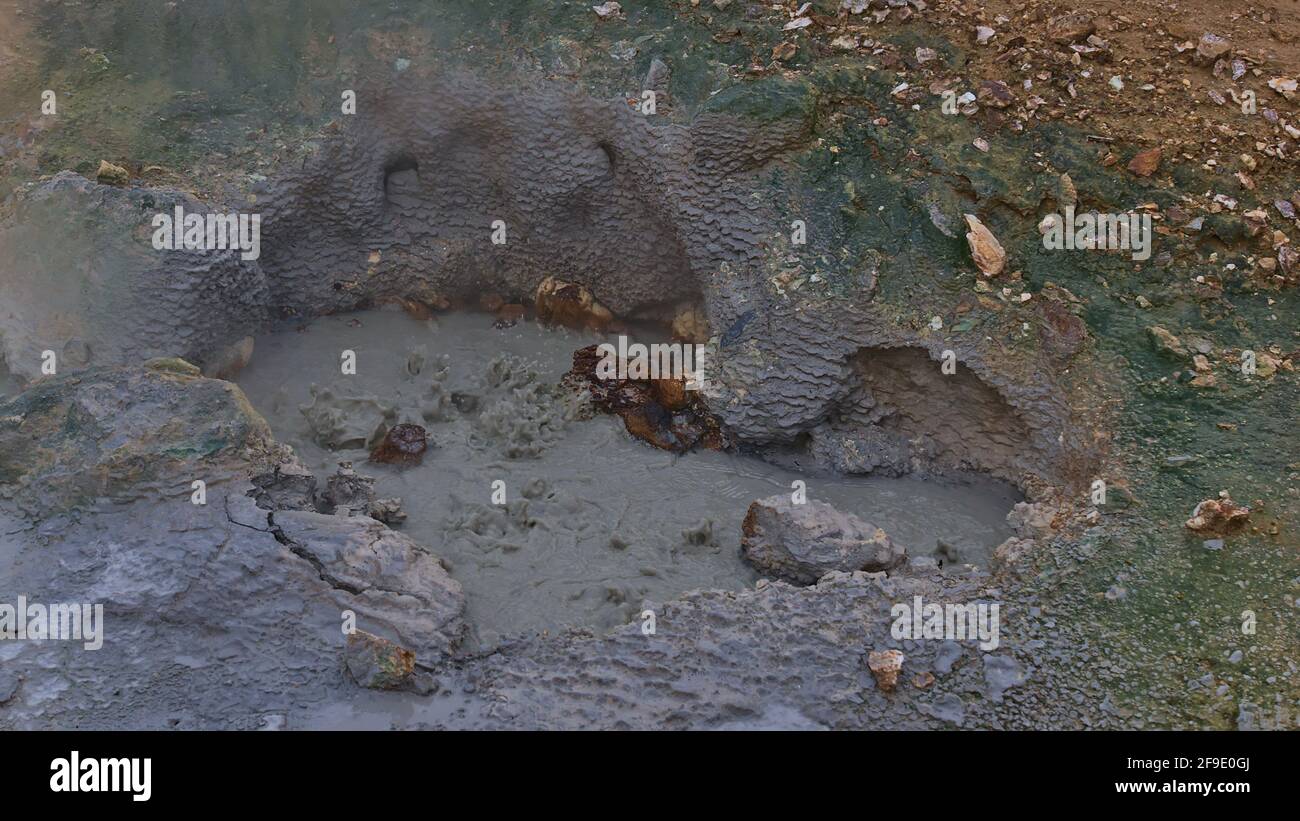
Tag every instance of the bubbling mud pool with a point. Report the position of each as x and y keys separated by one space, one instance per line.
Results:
x=595 y=522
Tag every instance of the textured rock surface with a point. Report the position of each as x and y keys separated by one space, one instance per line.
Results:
x=77 y=267
x=803 y=662
x=800 y=543
x=125 y=434
x=388 y=575
x=410 y=197
x=210 y=618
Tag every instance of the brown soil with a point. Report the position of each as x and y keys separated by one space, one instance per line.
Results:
x=1146 y=42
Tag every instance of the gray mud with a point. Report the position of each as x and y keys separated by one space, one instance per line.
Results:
x=595 y=521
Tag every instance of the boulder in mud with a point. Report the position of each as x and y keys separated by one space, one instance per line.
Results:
x=800 y=543
x=658 y=411
x=570 y=304
x=403 y=444
x=125 y=433
x=388 y=511
x=388 y=578
x=378 y=663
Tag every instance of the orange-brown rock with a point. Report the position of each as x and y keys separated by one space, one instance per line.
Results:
x=985 y=249
x=671 y=393
x=658 y=411
x=1218 y=515
x=570 y=304
x=403 y=444
x=885 y=665
x=1145 y=163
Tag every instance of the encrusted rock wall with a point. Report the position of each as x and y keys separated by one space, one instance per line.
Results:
x=399 y=204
